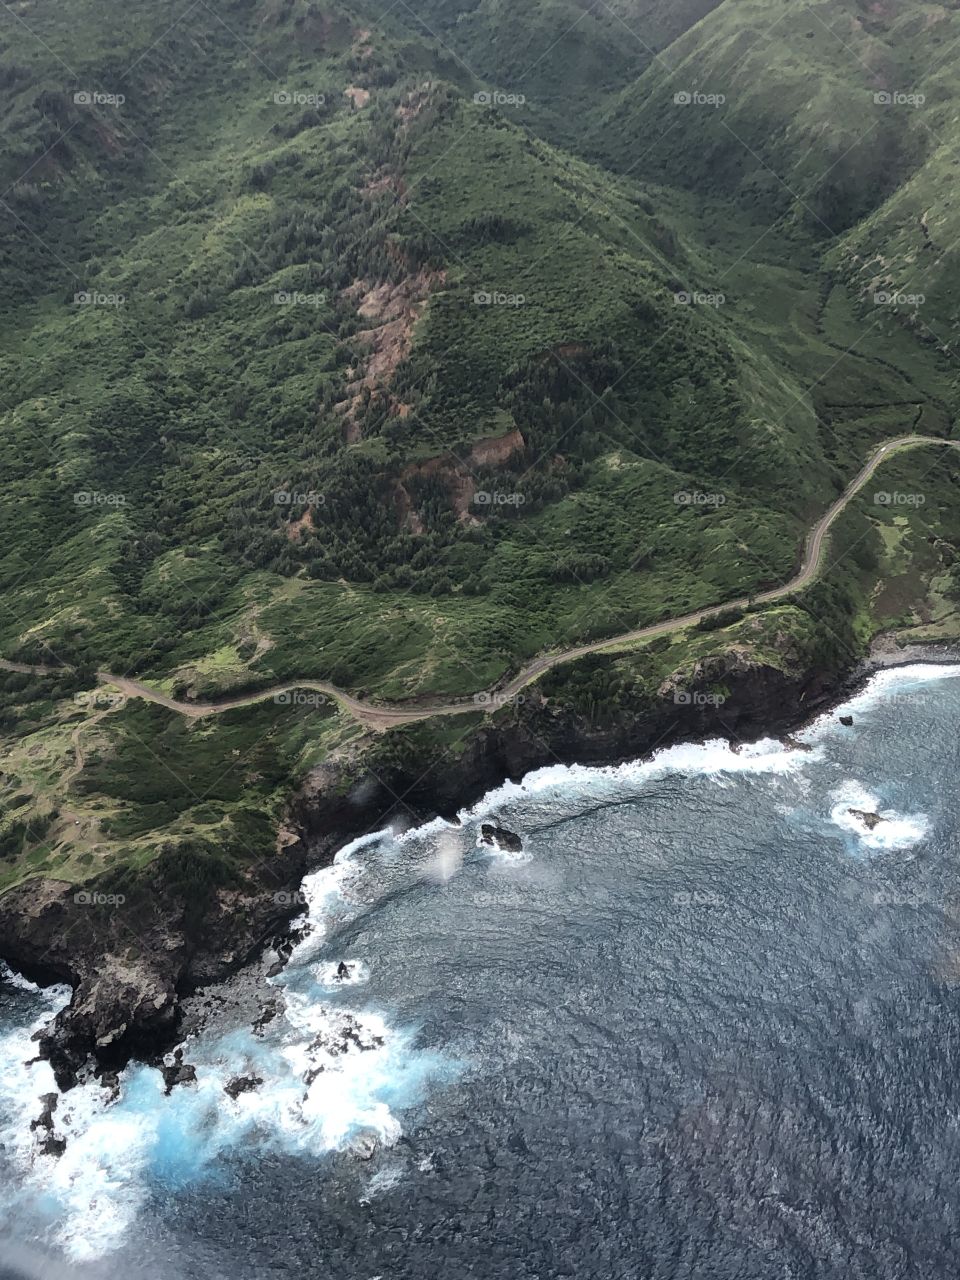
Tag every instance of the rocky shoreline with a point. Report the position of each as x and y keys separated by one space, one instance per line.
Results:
x=144 y=975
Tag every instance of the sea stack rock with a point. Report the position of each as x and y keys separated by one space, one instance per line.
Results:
x=268 y=1012
x=45 y=1119
x=242 y=1084
x=178 y=1072
x=501 y=837
x=110 y=1081
x=869 y=820
x=50 y=1143
x=847 y=720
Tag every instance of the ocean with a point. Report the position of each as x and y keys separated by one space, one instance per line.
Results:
x=706 y=1024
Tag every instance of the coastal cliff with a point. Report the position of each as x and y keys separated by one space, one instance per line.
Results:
x=130 y=962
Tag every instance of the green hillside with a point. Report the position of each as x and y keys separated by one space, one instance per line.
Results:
x=389 y=353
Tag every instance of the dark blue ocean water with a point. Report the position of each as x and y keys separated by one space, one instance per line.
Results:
x=707 y=1025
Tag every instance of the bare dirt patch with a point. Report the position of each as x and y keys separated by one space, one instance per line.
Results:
x=394 y=309
x=296 y=527
x=495 y=451
x=457 y=476
x=359 y=97
x=414 y=102
x=383 y=184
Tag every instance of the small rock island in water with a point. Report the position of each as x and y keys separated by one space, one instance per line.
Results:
x=869 y=820
x=501 y=837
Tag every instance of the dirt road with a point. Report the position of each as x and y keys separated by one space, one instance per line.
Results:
x=384 y=717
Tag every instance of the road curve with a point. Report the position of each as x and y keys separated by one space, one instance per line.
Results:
x=384 y=717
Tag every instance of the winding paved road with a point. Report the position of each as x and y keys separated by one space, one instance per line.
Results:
x=385 y=717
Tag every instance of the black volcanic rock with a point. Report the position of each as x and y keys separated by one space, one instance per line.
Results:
x=110 y=1080
x=109 y=1012
x=130 y=965
x=268 y=1012
x=45 y=1119
x=501 y=837
x=242 y=1084
x=847 y=720
x=52 y=1145
x=178 y=1072
x=869 y=820
x=130 y=962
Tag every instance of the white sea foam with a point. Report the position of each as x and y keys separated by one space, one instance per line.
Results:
x=23 y=1081
x=17 y=980
x=717 y=759
x=323 y=890
x=90 y=1215
x=905 y=687
x=894 y=831
x=714 y=758
x=436 y=826
x=328 y=1075
x=508 y=857
x=328 y=977
x=116 y=1153
x=98 y=1184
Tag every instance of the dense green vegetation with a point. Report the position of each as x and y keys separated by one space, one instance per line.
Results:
x=93 y=780
x=316 y=366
